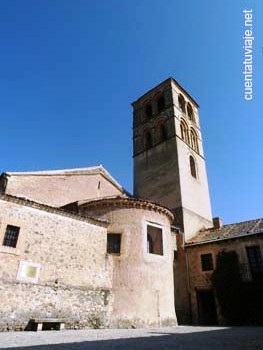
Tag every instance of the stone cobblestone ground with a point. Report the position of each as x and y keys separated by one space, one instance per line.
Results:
x=179 y=338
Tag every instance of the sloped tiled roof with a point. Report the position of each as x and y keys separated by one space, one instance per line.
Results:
x=230 y=231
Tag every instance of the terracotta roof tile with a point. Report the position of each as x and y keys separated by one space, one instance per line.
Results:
x=228 y=231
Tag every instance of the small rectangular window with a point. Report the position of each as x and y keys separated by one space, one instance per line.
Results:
x=154 y=240
x=207 y=262
x=114 y=243
x=11 y=236
x=255 y=262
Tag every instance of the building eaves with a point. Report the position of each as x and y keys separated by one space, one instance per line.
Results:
x=49 y=209
x=124 y=201
x=226 y=232
x=164 y=83
x=94 y=170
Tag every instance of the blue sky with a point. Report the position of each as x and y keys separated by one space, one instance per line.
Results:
x=70 y=69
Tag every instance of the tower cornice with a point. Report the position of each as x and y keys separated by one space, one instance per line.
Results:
x=163 y=84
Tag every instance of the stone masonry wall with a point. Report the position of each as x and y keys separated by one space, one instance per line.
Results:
x=143 y=286
x=199 y=279
x=80 y=307
x=59 y=190
x=72 y=273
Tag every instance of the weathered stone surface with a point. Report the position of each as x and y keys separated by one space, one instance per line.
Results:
x=162 y=171
x=201 y=280
x=79 y=307
x=74 y=279
x=142 y=282
x=77 y=279
x=60 y=187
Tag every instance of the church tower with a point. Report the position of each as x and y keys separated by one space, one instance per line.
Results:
x=169 y=163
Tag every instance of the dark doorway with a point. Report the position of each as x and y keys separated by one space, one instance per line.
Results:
x=206 y=307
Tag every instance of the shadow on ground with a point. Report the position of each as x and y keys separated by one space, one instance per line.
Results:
x=221 y=339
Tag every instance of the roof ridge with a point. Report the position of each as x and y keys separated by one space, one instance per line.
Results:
x=229 y=231
x=54 y=171
x=71 y=172
x=242 y=222
x=212 y=229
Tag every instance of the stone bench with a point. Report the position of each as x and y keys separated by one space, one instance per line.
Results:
x=48 y=324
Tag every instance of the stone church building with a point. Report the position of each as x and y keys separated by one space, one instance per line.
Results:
x=76 y=246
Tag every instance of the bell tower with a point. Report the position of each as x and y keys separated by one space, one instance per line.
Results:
x=169 y=163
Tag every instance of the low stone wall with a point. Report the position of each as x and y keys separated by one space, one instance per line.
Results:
x=80 y=307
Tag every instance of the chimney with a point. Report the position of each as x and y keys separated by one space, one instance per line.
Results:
x=218 y=222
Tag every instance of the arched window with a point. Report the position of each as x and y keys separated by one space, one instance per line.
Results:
x=161 y=133
x=193 y=167
x=184 y=131
x=194 y=140
x=160 y=104
x=148 y=111
x=147 y=140
x=190 y=112
x=181 y=102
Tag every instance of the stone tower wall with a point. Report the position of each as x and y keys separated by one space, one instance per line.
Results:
x=162 y=171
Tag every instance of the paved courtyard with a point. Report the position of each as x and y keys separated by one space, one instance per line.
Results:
x=179 y=338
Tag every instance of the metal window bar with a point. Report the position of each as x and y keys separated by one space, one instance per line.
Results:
x=11 y=236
